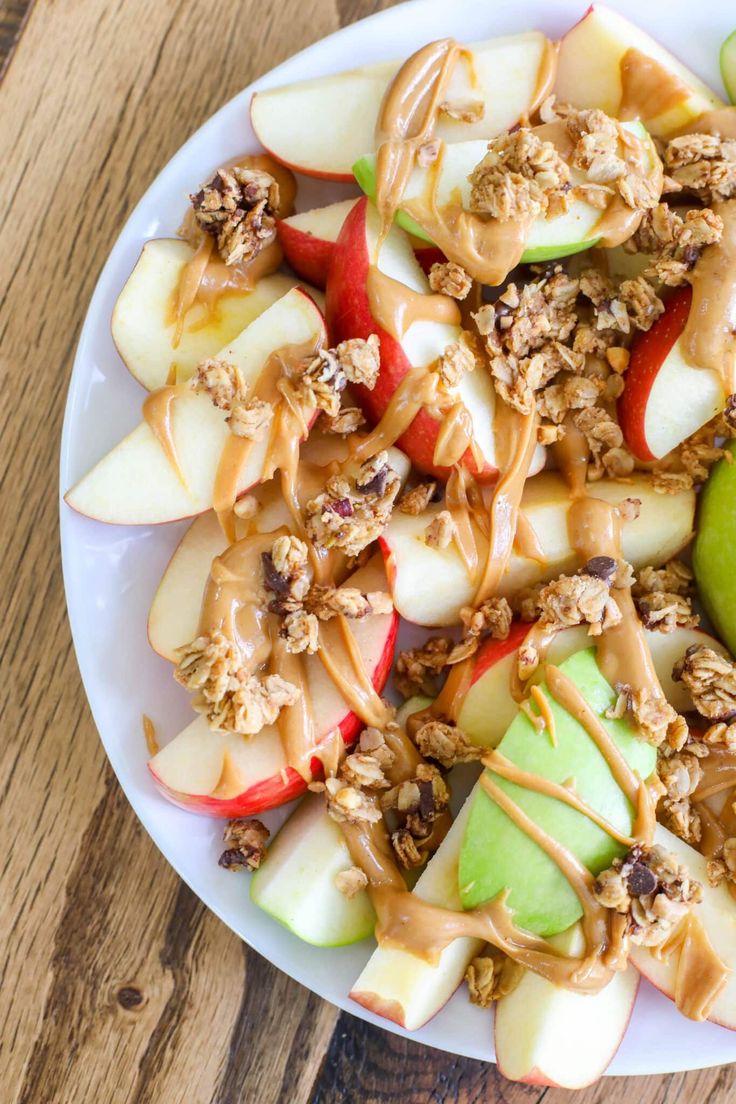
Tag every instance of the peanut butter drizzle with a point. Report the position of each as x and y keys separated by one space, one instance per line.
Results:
x=571 y=455
x=157 y=414
x=455 y=436
x=408 y=117
x=336 y=643
x=709 y=337
x=526 y=541
x=719 y=774
x=149 y=733
x=721 y=121
x=546 y=76
x=295 y=723
x=205 y=278
x=619 y=221
x=232 y=602
x=503 y=767
x=395 y=307
x=463 y=500
x=417 y=390
x=545 y=712
x=701 y=974
x=648 y=90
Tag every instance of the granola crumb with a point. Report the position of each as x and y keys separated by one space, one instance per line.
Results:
x=415 y=501
x=711 y=680
x=220 y=380
x=519 y=175
x=449 y=278
x=405 y=849
x=245 y=842
x=417 y=668
x=251 y=419
x=348 y=419
x=347 y=803
x=441 y=530
x=351 y=881
x=703 y=164
x=490 y=977
x=446 y=744
x=651 y=889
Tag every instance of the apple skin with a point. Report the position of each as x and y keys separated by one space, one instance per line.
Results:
x=713 y=551
x=349 y=316
x=308 y=255
x=285 y=785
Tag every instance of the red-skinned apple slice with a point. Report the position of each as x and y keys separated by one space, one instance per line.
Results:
x=321 y=127
x=590 y=66
x=308 y=239
x=143 y=326
x=666 y=399
x=226 y=775
x=717 y=914
x=488 y=708
x=430 y=585
x=547 y=1035
x=349 y=315
x=135 y=483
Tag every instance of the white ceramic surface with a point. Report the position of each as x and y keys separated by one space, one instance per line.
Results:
x=111 y=573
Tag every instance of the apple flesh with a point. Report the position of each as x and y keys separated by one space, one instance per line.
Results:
x=589 y=71
x=349 y=316
x=227 y=775
x=717 y=914
x=713 y=551
x=497 y=855
x=322 y=126
x=429 y=586
x=488 y=708
x=135 y=483
x=548 y=239
x=665 y=398
x=308 y=239
x=143 y=326
x=547 y=1035
x=402 y=987
x=295 y=883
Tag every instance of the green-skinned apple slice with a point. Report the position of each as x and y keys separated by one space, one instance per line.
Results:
x=728 y=66
x=713 y=551
x=296 y=881
x=143 y=325
x=549 y=238
x=488 y=707
x=429 y=585
x=498 y=855
x=547 y=1035
x=717 y=914
x=403 y=987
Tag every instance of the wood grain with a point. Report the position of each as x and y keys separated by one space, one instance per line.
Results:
x=116 y=985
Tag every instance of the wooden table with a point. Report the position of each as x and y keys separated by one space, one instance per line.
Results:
x=118 y=987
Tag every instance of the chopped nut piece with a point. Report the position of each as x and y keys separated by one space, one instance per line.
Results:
x=446 y=744
x=451 y=279
x=245 y=844
x=519 y=175
x=441 y=530
x=711 y=680
x=350 y=882
x=405 y=849
x=428 y=152
x=651 y=889
x=417 y=668
x=238 y=209
x=247 y=507
x=416 y=500
x=251 y=419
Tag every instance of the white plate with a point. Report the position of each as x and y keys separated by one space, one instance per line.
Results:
x=111 y=573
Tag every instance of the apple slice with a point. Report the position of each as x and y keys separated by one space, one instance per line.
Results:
x=349 y=315
x=321 y=127
x=227 y=775
x=717 y=914
x=429 y=586
x=547 y=1035
x=173 y=619
x=143 y=328
x=296 y=881
x=548 y=239
x=589 y=73
x=135 y=483
x=308 y=239
x=402 y=987
x=665 y=398
x=488 y=707
x=713 y=549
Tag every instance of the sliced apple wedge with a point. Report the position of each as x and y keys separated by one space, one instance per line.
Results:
x=296 y=882
x=349 y=315
x=595 y=57
x=136 y=484
x=321 y=127
x=402 y=987
x=143 y=325
x=717 y=914
x=430 y=585
x=665 y=398
x=547 y=1035
x=308 y=239
x=226 y=775
x=488 y=707
x=174 y=615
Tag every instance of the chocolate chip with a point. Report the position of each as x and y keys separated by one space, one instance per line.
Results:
x=129 y=997
x=641 y=880
x=730 y=412
x=233 y=859
x=426 y=799
x=690 y=255
x=274 y=581
x=501 y=309
x=343 y=507
x=376 y=485
x=601 y=567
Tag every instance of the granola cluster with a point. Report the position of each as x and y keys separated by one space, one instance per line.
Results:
x=674 y=241
x=663 y=597
x=722 y=866
x=680 y=774
x=520 y=175
x=652 y=890
x=703 y=164
x=450 y=278
x=658 y=722
x=417 y=669
x=418 y=802
x=416 y=500
x=445 y=744
x=352 y=795
x=690 y=463
x=491 y=976
x=602 y=149
x=321 y=379
x=238 y=209
x=352 y=512
x=223 y=383
x=711 y=680
x=245 y=844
